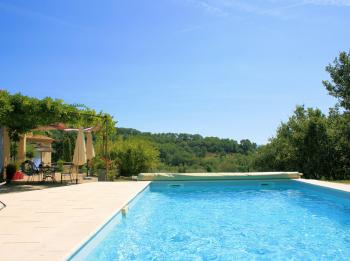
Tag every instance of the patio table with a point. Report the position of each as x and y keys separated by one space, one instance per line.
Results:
x=48 y=172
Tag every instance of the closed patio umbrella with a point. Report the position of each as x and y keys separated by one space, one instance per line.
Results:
x=79 y=157
x=90 y=152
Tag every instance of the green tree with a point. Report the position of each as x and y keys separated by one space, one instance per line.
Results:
x=265 y=158
x=339 y=72
x=134 y=155
x=63 y=147
x=302 y=144
x=339 y=132
x=246 y=146
x=24 y=113
x=5 y=106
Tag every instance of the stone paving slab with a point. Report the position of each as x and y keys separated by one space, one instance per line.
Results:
x=333 y=185
x=49 y=224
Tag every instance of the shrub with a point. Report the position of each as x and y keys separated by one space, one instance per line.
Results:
x=60 y=165
x=111 y=175
x=11 y=169
x=134 y=155
x=30 y=151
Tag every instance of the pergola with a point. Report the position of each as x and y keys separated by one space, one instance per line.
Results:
x=5 y=143
x=43 y=144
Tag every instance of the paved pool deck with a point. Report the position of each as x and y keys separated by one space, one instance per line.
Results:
x=49 y=224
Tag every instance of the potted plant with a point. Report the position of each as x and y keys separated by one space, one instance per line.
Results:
x=101 y=171
x=100 y=166
x=59 y=165
x=11 y=170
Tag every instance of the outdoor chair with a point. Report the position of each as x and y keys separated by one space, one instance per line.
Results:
x=28 y=167
x=67 y=171
x=49 y=172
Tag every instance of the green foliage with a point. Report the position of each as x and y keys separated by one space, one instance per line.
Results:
x=194 y=153
x=302 y=144
x=11 y=169
x=98 y=163
x=134 y=155
x=13 y=150
x=339 y=72
x=30 y=152
x=63 y=148
x=25 y=113
x=5 y=105
x=236 y=162
x=59 y=166
x=111 y=175
x=339 y=132
x=21 y=114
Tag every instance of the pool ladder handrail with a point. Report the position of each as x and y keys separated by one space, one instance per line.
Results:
x=2 y=204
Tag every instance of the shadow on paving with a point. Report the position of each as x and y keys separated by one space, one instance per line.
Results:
x=30 y=186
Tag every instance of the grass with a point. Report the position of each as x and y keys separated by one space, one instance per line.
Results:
x=346 y=181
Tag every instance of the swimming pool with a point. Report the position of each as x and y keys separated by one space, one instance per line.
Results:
x=233 y=220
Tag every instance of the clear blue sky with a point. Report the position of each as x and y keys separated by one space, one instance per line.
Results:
x=227 y=68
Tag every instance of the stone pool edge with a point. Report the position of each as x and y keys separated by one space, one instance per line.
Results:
x=326 y=184
x=216 y=176
x=85 y=241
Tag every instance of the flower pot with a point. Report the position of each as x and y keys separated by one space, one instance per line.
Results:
x=101 y=175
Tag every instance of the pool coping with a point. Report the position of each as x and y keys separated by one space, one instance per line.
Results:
x=84 y=242
x=326 y=184
x=215 y=176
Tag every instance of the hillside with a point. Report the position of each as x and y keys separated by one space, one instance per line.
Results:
x=192 y=152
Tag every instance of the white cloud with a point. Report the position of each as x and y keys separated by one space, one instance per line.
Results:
x=260 y=7
x=205 y=5
x=328 y=2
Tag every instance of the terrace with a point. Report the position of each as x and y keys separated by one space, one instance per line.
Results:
x=49 y=224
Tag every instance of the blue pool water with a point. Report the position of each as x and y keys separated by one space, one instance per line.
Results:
x=266 y=220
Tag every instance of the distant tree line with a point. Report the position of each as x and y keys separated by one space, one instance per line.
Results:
x=187 y=153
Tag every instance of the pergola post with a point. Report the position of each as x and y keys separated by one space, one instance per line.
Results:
x=46 y=156
x=5 y=155
x=106 y=146
x=21 y=149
